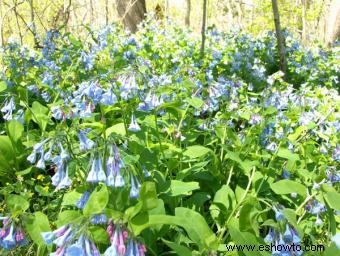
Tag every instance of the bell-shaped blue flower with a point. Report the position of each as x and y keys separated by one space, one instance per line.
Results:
x=84 y=142
x=134 y=126
x=83 y=200
x=97 y=173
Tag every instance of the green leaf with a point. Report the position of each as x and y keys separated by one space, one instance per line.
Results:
x=36 y=224
x=287 y=154
x=333 y=199
x=288 y=186
x=196 y=151
x=178 y=187
x=178 y=248
x=148 y=195
x=15 y=130
x=97 y=201
x=290 y=215
x=246 y=164
x=293 y=137
x=118 y=129
x=3 y=86
x=224 y=198
x=248 y=216
x=195 y=102
x=67 y=217
x=71 y=198
x=7 y=155
x=39 y=115
x=99 y=235
x=17 y=204
x=200 y=232
x=245 y=238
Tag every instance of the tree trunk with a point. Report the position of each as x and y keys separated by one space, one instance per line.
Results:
x=203 y=27
x=304 y=23
x=187 y=14
x=131 y=12
x=280 y=38
x=333 y=23
x=106 y=12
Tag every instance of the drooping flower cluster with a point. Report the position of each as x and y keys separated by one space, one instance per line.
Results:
x=121 y=244
x=112 y=176
x=286 y=243
x=60 y=179
x=11 y=234
x=70 y=243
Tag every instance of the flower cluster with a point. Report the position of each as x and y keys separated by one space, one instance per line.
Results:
x=12 y=234
x=121 y=244
x=69 y=242
x=288 y=237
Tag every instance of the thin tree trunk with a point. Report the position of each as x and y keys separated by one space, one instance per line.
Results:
x=304 y=24
x=106 y=12
x=34 y=31
x=17 y=21
x=92 y=12
x=280 y=38
x=333 y=23
x=131 y=12
x=187 y=14
x=204 y=19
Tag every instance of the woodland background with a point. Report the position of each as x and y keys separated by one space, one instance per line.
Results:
x=312 y=21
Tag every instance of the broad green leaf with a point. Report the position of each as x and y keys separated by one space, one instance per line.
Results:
x=287 y=154
x=15 y=130
x=148 y=195
x=195 y=102
x=17 y=204
x=197 y=228
x=99 y=235
x=39 y=115
x=67 y=217
x=178 y=248
x=36 y=224
x=116 y=129
x=97 y=201
x=3 y=86
x=290 y=216
x=333 y=199
x=71 y=198
x=7 y=155
x=196 y=151
x=193 y=223
x=288 y=186
x=293 y=137
x=224 y=198
x=245 y=238
x=178 y=187
x=248 y=216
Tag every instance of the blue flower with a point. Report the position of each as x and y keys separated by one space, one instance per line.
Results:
x=278 y=214
x=108 y=98
x=61 y=179
x=8 y=109
x=99 y=219
x=9 y=240
x=83 y=200
x=96 y=173
x=336 y=240
x=134 y=126
x=57 y=112
x=134 y=191
x=288 y=236
x=84 y=142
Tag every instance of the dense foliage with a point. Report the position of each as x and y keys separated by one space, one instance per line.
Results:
x=133 y=144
